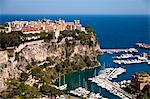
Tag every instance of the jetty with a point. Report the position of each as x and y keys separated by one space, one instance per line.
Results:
x=111 y=51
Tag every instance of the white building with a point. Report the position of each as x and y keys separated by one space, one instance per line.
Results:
x=57 y=32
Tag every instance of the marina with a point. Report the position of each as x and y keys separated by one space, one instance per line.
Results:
x=103 y=80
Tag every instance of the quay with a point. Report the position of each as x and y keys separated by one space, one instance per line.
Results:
x=111 y=51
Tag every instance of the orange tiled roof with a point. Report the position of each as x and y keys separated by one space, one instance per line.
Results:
x=28 y=29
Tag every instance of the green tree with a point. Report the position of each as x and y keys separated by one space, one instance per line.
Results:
x=23 y=76
x=37 y=72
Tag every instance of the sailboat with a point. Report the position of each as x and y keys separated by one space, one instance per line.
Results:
x=79 y=81
x=64 y=86
x=95 y=73
x=102 y=68
x=85 y=84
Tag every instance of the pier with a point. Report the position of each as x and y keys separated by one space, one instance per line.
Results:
x=113 y=88
x=111 y=51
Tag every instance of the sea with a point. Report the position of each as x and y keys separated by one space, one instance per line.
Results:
x=112 y=31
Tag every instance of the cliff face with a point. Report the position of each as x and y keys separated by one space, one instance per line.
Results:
x=58 y=52
x=66 y=51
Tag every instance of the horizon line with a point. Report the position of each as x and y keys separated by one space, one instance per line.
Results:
x=68 y=14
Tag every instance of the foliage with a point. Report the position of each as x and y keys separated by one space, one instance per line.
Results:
x=24 y=91
x=89 y=29
x=37 y=72
x=15 y=38
x=49 y=37
x=58 y=67
x=46 y=89
x=84 y=38
x=23 y=76
x=12 y=82
x=29 y=66
x=10 y=39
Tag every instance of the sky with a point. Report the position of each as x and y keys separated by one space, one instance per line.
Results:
x=75 y=6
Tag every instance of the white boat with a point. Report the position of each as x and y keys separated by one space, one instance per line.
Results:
x=62 y=87
x=80 y=92
x=124 y=56
x=132 y=61
x=149 y=62
x=94 y=96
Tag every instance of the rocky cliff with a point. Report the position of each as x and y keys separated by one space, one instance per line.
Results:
x=72 y=50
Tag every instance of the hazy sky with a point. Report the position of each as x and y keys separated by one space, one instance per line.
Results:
x=75 y=6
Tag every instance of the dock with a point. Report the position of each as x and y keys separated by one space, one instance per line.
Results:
x=111 y=51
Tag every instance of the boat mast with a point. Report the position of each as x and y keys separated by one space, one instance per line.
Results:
x=99 y=90
x=94 y=72
x=79 y=81
x=86 y=87
x=104 y=66
x=64 y=79
x=59 y=80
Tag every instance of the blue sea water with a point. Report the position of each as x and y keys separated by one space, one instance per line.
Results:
x=113 y=31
